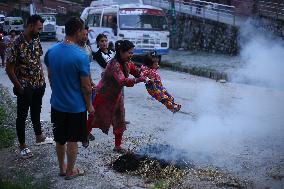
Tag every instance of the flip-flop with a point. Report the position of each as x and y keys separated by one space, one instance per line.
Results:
x=79 y=173
x=47 y=140
x=120 y=150
x=85 y=144
x=62 y=174
x=91 y=137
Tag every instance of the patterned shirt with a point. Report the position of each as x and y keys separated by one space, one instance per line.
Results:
x=150 y=73
x=26 y=58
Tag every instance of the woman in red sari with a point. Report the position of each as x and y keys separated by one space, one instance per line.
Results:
x=108 y=103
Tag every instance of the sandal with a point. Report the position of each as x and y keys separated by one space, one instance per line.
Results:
x=62 y=174
x=26 y=153
x=91 y=137
x=86 y=143
x=47 y=140
x=119 y=150
x=78 y=173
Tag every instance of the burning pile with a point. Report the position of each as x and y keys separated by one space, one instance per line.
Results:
x=167 y=167
x=149 y=164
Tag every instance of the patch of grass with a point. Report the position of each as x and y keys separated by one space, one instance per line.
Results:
x=161 y=184
x=23 y=183
x=163 y=177
x=2 y=115
x=7 y=135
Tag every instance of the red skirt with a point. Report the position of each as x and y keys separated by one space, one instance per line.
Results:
x=107 y=112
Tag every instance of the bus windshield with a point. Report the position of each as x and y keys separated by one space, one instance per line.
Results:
x=142 y=19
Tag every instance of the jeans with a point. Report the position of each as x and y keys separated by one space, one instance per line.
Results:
x=31 y=98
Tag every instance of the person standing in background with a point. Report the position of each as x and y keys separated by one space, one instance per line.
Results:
x=9 y=39
x=87 y=49
x=103 y=55
x=2 y=49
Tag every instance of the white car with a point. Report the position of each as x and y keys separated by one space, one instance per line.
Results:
x=13 y=23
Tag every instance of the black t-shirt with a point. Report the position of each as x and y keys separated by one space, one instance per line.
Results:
x=103 y=58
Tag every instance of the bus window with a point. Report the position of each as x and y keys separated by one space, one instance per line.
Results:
x=93 y=20
x=110 y=21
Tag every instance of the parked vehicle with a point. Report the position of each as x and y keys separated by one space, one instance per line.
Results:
x=144 y=25
x=13 y=23
x=49 y=26
x=2 y=19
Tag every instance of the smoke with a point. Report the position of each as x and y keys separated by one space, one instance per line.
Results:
x=262 y=55
x=239 y=123
x=230 y=132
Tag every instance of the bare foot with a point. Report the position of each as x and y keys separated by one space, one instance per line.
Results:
x=75 y=173
x=22 y=146
x=176 y=108
x=40 y=138
x=119 y=150
x=62 y=172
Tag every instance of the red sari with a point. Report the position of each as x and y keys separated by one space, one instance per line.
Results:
x=109 y=103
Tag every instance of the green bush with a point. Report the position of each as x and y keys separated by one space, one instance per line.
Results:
x=7 y=135
x=23 y=183
x=2 y=116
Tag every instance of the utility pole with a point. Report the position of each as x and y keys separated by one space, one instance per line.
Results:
x=20 y=8
x=173 y=18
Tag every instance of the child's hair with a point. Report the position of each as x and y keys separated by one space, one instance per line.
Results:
x=149 y=58
x=99 y=37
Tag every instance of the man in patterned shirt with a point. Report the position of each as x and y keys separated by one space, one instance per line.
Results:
x=25 y=71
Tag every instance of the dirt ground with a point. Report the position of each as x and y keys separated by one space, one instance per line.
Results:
x=232 y=135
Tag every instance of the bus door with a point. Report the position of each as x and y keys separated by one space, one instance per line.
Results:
x=109 y=20
x=93 y=22
x=109 y=24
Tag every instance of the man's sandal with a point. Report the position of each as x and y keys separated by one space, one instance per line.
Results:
x=47 y=140
x=26 y=153
x=62 y=174
x=79 y=173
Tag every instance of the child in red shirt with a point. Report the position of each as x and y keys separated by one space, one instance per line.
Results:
x=154 y=85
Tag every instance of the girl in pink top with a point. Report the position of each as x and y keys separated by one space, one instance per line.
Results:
x=154 y=85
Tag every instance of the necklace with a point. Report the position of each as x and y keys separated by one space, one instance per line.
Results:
x=67 y=41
